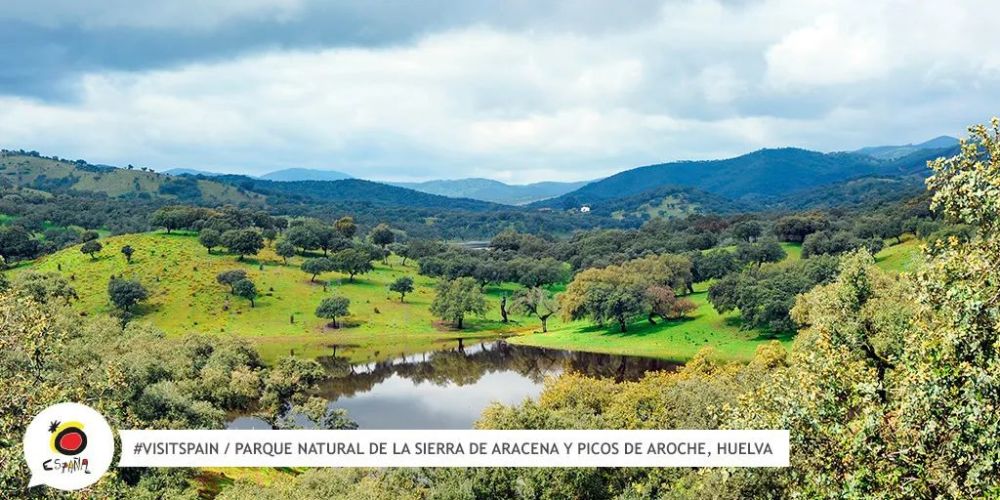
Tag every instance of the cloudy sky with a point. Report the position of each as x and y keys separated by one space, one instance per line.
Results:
x=518 y=91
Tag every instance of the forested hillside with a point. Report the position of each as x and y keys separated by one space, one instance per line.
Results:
x=763 y=177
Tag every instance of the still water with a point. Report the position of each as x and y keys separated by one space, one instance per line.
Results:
x=448 y=389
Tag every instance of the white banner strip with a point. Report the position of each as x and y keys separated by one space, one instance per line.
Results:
x=454 y=448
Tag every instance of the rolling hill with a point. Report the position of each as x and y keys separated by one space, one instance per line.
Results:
x=895 y=152
x=185 y=297
x=761 y=178
x=493 y=191
x=55 y=175
x=355 y=190
x=668 y=202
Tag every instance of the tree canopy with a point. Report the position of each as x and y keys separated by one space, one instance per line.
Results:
x=332 y=308
x=457 y=298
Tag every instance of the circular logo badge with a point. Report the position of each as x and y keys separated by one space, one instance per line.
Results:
x=68 y=446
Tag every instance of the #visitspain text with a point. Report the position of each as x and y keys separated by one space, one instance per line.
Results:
x=277 y=448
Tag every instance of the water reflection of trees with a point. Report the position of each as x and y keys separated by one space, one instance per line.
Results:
x=465 y=364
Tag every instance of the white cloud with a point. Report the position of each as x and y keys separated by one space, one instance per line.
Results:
x=827 y=54
x=704 y=79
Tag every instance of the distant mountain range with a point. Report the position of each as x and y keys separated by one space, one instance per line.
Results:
x=474 y=188
x=305 y=174
x=896 y=152
x=760 y=178
x=190 y=171
x=494 y=191
x=768 y=179
x=354 y=190
x=286 y=175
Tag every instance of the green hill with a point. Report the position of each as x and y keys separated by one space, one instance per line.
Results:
x=185 y=297
x=667 y=202
x=764 y=178
x=355 y=190
x=52 y=175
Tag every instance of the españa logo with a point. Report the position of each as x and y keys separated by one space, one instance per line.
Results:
x=67 y=439
x=68 y=446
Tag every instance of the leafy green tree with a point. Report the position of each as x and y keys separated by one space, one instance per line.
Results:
x=317 y=410
x=287 y=385
x=16 y=243
x=352 y=262
x=603 y=294
x=795 y=228
x=230 y=278
x=127 y=251
x=91 y=248
x=948 y=396
x=508 y=239
x=269 y=234
x=530 y=272
x=346 y=227
x=765 y=297
x=327 y=238
x=402 y=250
x=176 y=217
x=621 y=293
x=536 y=302
x=332 y=308
x=284 y=249
x=667 y=270
x=246 y=289
x=760 y=252
x=209 y=238
x=125 y=294
x=713 y=264
x=456 y=298
x=830 y=243
x=302 y=237
x=243 y=242
x=747 y=231
x=317 y=266
x=403 y=285
x=382 y=235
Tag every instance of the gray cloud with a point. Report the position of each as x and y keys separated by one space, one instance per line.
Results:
x=518 y=91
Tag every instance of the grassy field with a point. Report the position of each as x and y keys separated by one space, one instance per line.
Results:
x=185 y=297
x=675 y=340
x=680 y=339
x=901 y=257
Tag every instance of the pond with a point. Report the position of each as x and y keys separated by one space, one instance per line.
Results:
x=448 y=389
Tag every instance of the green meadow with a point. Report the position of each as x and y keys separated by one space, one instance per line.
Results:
x=676 y=340
x=185 y=297
x=679 y=340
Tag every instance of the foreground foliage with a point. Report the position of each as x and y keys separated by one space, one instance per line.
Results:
x=890 y=390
